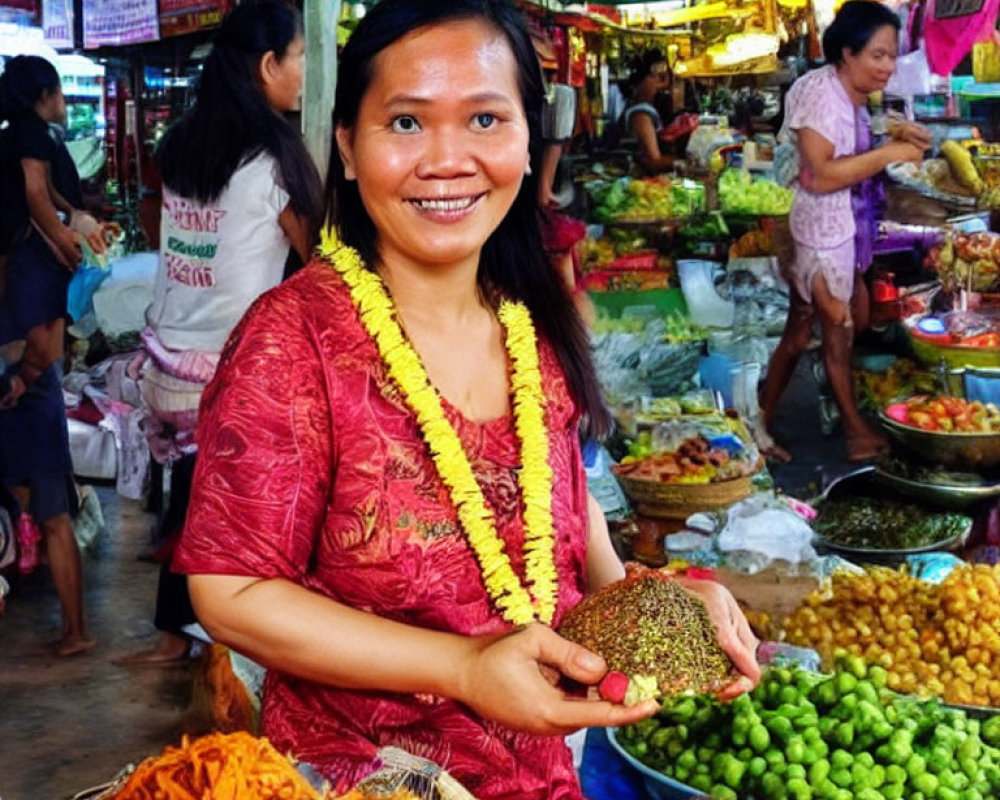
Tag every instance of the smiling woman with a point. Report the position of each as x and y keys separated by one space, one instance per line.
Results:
x=390 y=508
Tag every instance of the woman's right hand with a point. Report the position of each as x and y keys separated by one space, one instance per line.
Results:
x=902 y=151
x=505 y=679
x=69 y=251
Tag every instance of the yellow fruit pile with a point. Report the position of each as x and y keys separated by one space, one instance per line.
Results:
x=932 y=639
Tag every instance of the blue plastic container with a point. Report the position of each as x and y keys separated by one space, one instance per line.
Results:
x=716 y=373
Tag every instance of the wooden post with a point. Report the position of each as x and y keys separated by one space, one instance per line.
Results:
x=320 y=18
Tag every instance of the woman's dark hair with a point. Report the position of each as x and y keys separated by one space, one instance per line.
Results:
x=641 y=66
x=23 y=82
x=513 y=262
x=854 y=26
x=231 y=121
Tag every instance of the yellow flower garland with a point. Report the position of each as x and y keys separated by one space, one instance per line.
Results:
x=377 y=312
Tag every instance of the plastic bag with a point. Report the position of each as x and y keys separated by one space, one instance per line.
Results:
x=80 y=294
x=8 y=540
x=766 y=527
x=912 y=76
x=402 y=776
x=29 y=538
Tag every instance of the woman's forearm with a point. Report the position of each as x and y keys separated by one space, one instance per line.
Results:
x=835 y=174
x=289 y=628
x=40 y=203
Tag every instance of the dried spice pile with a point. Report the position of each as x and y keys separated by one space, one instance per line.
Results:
x=651 y=630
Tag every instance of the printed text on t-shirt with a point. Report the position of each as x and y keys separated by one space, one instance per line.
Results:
x=188 y=272
x=189 y=217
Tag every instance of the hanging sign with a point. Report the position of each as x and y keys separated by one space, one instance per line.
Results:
x=187 y=16
x=116 y=22
x=57 y=23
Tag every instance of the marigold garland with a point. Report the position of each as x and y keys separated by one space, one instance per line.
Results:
x=378 y=315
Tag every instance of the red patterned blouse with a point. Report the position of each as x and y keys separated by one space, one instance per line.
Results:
x=311 y=468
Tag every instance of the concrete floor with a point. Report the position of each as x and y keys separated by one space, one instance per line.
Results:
x=69 y=724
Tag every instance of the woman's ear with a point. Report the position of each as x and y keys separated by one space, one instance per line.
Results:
x=343 y=137
x=266 y=68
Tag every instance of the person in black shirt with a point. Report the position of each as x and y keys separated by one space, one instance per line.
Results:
x=40 y=239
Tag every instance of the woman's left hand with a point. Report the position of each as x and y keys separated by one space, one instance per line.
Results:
x=732 y=631
x=914 y=134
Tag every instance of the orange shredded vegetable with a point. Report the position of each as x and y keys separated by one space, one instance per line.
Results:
x=220 y=766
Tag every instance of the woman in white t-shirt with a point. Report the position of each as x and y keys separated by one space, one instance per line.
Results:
x=239 y=192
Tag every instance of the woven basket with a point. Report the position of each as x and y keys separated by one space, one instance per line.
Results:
x=681 y=500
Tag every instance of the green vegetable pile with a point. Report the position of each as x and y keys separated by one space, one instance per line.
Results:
x=740 y=193
x=800 y=736
x=882 y=524
x=648 y=199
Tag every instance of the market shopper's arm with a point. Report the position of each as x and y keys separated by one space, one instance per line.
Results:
x=825 y=173
x=603 y=564
x=297 y=229
x=289 y=628
x=44 y=213
x=547 y=175
x=644 y=131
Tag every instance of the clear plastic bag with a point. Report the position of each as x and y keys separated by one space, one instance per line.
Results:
x=402 y=776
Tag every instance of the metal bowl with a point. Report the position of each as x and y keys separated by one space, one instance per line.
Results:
x=948 y=448
x=955 y=496
x=658 y=785
x=950 y=543
x=956 y=357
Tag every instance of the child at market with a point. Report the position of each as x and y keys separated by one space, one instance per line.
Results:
x=239 y=191
x=389 y=509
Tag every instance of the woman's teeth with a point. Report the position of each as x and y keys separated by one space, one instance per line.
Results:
x=457 y=204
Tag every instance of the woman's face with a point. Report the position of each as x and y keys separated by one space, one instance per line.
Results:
x=52 y=106
x=440 y=144
x=281 y=78
x=869 y=70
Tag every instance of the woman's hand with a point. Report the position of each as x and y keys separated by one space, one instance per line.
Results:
x=68 y=249
x=511 y=679
x=90 y=230
x=902 y=151
x=914 y=134
x=17 y=388
x=733 y=633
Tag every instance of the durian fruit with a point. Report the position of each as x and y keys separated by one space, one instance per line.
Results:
x=652 y=632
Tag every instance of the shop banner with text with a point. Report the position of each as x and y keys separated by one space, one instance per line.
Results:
x=57 y=23
x=115 y=22
x=187 y=16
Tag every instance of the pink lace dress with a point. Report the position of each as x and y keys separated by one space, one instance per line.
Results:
x=822 y=225
x=311 y=468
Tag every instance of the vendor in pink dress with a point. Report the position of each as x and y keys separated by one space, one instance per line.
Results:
x=390 y=510
x=831 y=218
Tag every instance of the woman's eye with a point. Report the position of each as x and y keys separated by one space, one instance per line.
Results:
x=404 y=124
x=484 y=120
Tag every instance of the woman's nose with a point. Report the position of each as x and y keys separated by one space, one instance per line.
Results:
x=448 y=153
